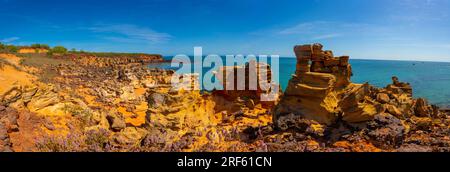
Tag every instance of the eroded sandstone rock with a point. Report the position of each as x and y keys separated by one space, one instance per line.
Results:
x=129 y=136
x=313 y=90
x=44 y=97
x=256 y=72
x=356 y=104
x=8 y=124
x=116 y=121
x=168 y=109
x=118 y=105
x=387 y=128
x=321 y=90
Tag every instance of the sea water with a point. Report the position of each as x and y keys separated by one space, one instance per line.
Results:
x=430 y=80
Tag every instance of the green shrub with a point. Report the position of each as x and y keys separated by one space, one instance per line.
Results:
x=77 y=111
x=42 y=46
x=8 y=48
x=59 y=50
x=11 y=49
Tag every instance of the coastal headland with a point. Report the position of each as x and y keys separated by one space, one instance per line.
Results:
x=54 y=100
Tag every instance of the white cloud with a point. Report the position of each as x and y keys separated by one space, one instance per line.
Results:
x=9 y=40
x=327 y=36
x=320 y=30
x=303 y=28
x=323 y=27
x=130 y=33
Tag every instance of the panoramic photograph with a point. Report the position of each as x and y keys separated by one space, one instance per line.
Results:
x=225 y=76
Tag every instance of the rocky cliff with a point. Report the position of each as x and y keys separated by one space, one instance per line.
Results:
x=90 y=103
x=112 y=60
x=321 y=90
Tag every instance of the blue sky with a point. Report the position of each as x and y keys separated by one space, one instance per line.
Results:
x=367 y=29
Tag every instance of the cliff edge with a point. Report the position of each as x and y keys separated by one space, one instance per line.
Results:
x=66 y=103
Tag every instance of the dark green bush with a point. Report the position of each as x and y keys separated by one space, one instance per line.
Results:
x=59 y=50
x=43 y=46
x=11 y=49
x=8 y=48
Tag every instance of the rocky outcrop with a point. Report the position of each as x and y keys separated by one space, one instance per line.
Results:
x=112 y=60
x=118 y=104
x=356 y=105
x=168 y=108
x=34 y=97
x=33 y=50
x=313 y=92
x=321 y=90
x=8 y=124
x=250 y=95
x=43 y=97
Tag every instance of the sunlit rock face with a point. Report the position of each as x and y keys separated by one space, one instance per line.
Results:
x=71 y=103
x=257 y=83
x=321 y=90
x=179 y=109
x=313 y=90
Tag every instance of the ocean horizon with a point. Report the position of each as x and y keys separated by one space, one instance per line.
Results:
x=430 y=80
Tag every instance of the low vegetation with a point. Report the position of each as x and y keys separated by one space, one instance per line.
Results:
x=38 y=60
x=89 y=141
x=61 y=50
x=111 y=54
x=8 y=48
x=40 y=46
x=58 y=50
x=77 y=111
x=5 y=48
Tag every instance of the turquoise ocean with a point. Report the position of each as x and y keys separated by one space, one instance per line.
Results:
x=430 y=80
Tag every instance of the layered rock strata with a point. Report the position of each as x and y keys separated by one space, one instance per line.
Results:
x=73 y=103
x=257 y=82
x=313 y=91
x=321 y=90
